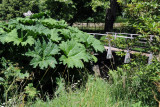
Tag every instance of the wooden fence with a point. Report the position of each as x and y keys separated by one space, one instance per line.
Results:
x=128 y=50
x=89 y=26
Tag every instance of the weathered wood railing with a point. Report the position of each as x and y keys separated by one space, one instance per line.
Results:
x=109 y=48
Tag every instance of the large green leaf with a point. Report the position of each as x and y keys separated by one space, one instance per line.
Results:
x=42 y=30
x=74 y=54
x=26 y=20
x=13 y=37
x=76 y=46
x=91 y=41
x=52 y=23
x=38 y=28
x=1 y=30
x=43 y=54
x=54 y=35
x=88 y=40
x=97 y=45
x=2 y=79
x=65 y=33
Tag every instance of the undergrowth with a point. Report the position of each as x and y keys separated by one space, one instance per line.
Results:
x=131 y=85
x=97 y=93
x=35 y=50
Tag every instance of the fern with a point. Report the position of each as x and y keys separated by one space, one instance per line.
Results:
x=43 y=54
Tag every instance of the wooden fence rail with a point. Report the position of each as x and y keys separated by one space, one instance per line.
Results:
x=109 y=48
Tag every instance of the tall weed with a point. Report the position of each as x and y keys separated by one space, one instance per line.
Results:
x=136 y=82
x=97 y=93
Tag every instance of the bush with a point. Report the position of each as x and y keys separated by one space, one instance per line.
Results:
x=11 y=81
x=97 y=93
x=15 y=8
x=138 y=82
x=41 y=45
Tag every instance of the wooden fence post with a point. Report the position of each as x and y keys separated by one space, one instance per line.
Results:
x=127 y=56
x=151 y=54
x=150 y=58
x=109 y=51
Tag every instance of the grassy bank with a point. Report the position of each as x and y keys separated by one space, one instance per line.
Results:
x=97 y=93
x=131 y=85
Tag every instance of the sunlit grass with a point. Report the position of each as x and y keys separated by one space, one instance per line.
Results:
x=97 y=93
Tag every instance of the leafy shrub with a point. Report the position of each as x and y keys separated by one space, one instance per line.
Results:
x=45 y=38
x=137 y=82
x=96 y=93
x=15 y=8
x=144 y=18
x=39 y=44
x=11 y=80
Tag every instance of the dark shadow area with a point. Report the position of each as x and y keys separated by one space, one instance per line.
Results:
x=108 y=64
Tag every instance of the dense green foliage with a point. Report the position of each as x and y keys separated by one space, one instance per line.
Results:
x=49 y=38
x=69 y=10
x=144 y=19
x=39 y=44
x=78 y=11
x=137 y=81
x=97 y=93
x=15 y=8
x=37 y=49
x=10 y=76
x=130 y=85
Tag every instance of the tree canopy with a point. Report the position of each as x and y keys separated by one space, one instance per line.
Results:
x=15 y=8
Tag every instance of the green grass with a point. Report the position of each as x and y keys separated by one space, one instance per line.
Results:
x=97 y=93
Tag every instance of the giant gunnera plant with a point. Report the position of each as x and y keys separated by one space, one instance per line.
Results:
x=39 y=44
x=47 y=42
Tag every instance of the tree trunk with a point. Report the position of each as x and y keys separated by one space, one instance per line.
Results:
x=111 y=15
